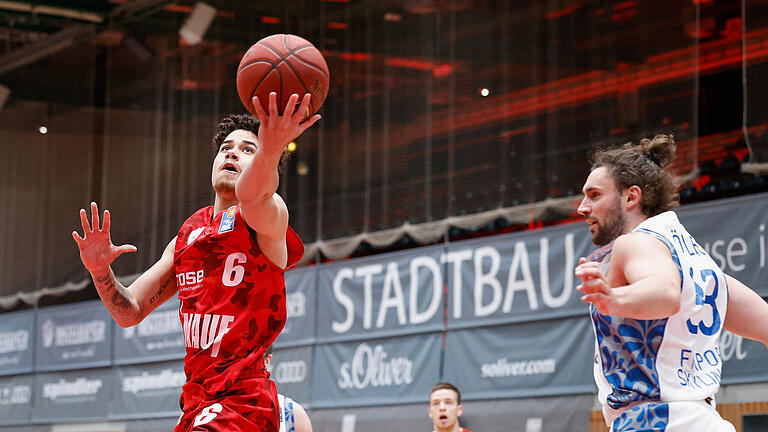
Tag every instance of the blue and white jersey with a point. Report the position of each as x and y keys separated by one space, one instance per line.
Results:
x=286 y=413
x=671 y=359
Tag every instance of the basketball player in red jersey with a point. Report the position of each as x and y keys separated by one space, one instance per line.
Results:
x=445 y=408
x=227 y=265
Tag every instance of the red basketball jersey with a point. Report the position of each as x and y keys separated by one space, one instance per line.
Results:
x=232 y=300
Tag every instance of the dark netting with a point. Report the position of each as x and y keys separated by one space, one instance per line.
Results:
x=407 y=134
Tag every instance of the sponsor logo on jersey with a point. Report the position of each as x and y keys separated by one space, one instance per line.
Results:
x=290 y=372
x=203 y=331
x=371 y=367
x=228 y=220
x=194 y=235
x=191 y=280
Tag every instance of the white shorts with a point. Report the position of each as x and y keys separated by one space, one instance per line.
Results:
x=683 y=416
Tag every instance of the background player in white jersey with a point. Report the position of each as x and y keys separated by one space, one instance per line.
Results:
x=658 y=301
x=293 y=417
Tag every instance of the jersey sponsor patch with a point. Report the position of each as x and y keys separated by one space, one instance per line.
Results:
x=228 y=220
x=194 y=235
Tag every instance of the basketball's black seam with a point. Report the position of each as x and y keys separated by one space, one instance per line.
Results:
x=263 y=78
x=274 y=67
x=280 y=93
x=312 y=65
x=306 y=90
x=282 y=59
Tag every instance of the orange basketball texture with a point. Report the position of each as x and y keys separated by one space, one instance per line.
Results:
x=285 y=64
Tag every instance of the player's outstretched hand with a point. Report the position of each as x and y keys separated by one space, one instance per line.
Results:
x=275 y=130
x=594 y=286
x=96 y=249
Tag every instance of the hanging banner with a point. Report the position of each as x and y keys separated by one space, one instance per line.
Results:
x=148 y=390
x=73 y=336
x=539 y=358
x=72 y=395
x=384 y=295
x=159 y=337
x=16 y=399
x=734 y=232
x=744 y=360
x=300 y=295
x=516 y=277
x=291 y=369
x=374 y=372
x=16 y=342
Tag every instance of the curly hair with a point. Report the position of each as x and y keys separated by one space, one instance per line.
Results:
x=646 y=165
x=234 y=122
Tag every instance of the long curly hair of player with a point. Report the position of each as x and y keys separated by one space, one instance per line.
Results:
x=233 y=122
x=646 y=165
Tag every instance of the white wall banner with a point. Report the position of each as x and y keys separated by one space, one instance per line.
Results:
x=16 y=341
x=72 y=395
x=73 y=336
x=540 y=358
x=147 y=390
x=300 y=301
x=158 y=337
x=292 y=370
x=16 y=399
x=377 y=371
x=389 y=294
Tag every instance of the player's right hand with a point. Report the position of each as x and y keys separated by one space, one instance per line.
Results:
x=96 y=249
x=594 y=286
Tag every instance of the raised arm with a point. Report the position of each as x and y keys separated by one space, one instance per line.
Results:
x=747 y=313
x=261 y=207
x=128 y=306
x=644 y=281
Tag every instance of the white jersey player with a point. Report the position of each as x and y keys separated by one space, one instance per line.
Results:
x=658 y=301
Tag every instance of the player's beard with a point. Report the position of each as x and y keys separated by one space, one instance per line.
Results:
x=224 y=186
x=612 y=227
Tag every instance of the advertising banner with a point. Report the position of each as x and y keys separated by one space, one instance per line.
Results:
x=744 y=360
x=384 y=295
x=300 y=295
x=291 y=369
x=379 y=371
x=16 y=399
x=539 y=358
x=16 y=331
x=73 y=336
x=734 y=232
x=158 y=337
x=72 y=395
x=148 y=390
x=516 y=277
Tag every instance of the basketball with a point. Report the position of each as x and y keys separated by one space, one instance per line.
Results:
x=284 y=64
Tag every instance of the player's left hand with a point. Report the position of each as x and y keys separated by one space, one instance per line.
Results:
x=594 y=286
x=277 y=131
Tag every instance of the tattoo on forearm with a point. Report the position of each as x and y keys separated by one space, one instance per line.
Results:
x=107 y=285
x=165 y=284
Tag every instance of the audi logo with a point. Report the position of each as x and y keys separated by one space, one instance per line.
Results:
x=291 y=372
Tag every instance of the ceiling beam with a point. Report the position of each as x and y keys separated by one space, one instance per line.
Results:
x=52 y=11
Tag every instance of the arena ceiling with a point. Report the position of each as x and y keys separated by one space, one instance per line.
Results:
x=43 y=41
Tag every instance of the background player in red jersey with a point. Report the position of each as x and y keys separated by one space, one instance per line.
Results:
x=445 y=408
x=227 y=265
